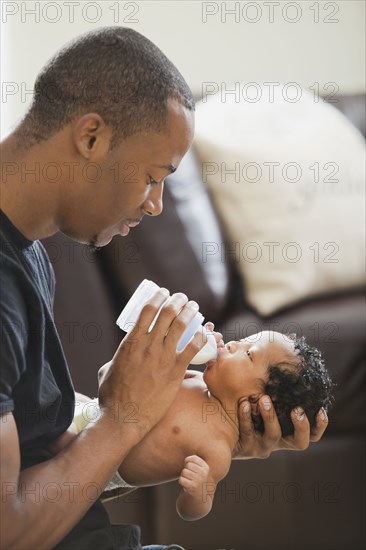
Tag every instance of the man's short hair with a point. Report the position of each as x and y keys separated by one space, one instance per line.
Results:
x=113 y=71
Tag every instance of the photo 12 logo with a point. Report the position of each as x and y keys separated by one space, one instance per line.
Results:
x=269 y=12
x=273 y=492
x=71 y=12
x=254 y=92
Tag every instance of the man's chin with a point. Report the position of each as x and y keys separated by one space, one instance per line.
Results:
x=101 y=239
x=99 y=242
x=95 y=242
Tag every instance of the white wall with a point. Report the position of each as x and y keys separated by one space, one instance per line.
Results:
x=325 y=45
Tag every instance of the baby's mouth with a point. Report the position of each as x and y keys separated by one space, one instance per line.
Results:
x=220 y=350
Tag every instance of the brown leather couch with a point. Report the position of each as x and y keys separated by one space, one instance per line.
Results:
x=298 y=501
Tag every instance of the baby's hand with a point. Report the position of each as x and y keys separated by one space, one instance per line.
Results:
x=195 y=474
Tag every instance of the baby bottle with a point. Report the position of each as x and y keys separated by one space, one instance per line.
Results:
x=127 y=320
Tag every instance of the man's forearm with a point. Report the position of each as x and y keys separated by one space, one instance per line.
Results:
x=66 y=486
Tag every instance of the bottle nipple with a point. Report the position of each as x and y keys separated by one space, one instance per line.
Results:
x=209 y=350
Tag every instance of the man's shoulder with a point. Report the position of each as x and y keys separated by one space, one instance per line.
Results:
x=21 y=267
x=13 y=285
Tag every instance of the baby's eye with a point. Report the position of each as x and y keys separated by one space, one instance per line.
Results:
x=248 y=354
x=151 y=181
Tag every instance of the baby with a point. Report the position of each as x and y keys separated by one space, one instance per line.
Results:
x=197 y=438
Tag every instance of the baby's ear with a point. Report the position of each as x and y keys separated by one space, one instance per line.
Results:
x=254 y=402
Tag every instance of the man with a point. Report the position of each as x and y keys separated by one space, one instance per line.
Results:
x=110 y=119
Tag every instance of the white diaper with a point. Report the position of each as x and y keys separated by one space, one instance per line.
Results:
x=116 y=482
x=84 y=414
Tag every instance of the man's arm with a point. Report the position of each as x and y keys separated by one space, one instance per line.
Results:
x=63 y=487
x=34 y=500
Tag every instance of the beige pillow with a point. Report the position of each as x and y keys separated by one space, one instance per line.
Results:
x=293 y=204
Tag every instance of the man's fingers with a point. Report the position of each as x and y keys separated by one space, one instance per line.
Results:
x=191 y=349
x=301 y=437
x=320 y=427
x=173 y=319
x=149 y=312
x=272 y=429
x=246 y=428
x=210 y=327
x=181 y=322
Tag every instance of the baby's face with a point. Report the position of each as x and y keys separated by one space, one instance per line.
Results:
x=241 y=367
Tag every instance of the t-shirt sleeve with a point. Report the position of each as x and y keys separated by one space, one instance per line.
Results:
x=51 y=280
x=13 y=335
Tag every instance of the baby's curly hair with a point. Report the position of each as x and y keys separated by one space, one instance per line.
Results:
x=305 y=384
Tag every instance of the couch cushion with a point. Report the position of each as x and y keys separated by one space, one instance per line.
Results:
x=287 y=179
x=174 y=249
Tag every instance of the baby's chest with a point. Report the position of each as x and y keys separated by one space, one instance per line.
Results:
x=184 y=428
x=160 y=456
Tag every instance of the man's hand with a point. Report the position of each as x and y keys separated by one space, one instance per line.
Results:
x=255 y=445
x=140 y=383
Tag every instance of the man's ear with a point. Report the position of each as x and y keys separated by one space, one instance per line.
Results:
x=91 y=136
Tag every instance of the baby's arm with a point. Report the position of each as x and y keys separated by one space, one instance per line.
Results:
x=198 y=488
x=198 y=483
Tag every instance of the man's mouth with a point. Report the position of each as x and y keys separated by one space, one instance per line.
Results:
x=126 y=226
x=133 y=224
x=124 y=229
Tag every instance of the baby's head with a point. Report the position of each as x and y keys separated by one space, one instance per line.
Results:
x=282 y=366
x=304 y=383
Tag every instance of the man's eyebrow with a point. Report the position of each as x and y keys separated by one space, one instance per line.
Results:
x=170 y=167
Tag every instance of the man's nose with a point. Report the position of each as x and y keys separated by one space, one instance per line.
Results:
x=153 y=205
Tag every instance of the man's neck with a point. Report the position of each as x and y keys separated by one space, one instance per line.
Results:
x=28 y=196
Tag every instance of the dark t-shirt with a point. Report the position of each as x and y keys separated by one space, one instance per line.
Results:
x=35 y=383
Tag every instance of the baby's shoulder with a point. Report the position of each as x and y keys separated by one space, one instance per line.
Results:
x=218 y=456
x=193 y=387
